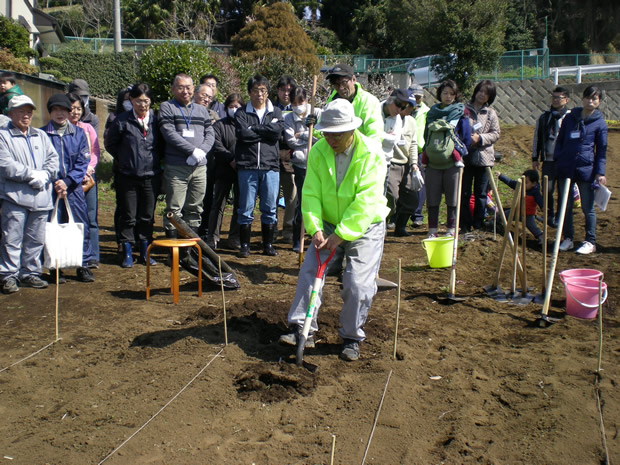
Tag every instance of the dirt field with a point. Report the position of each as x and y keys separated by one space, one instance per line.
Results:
x=474 y=382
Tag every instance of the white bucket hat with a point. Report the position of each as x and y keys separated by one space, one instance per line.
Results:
x=20 y=101
x=338 y=116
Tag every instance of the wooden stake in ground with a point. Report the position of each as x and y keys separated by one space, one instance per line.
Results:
x=600 y=323
x=219 y=266
x=554 y=257
x=302 y=235
x=523 y=237
x=507 y=232
x=500 y=208
x=397 y=309
x=515 y=232
x=57 y=288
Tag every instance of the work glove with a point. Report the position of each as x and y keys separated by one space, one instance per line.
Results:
x=38 y=179
x=197 y=157
x=310 y=119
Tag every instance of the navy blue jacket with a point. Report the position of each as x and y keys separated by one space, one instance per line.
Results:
x=581 y=148
x=72 y=148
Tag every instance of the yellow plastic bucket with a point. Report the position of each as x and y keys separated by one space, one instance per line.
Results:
x=439 y=251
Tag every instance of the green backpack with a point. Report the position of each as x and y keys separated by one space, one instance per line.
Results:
x=440 y=144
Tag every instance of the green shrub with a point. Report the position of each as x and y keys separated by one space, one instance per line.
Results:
x=161 y=62
x=19 y=65
x=105 y=73
x=15 y=38
x=47 y=63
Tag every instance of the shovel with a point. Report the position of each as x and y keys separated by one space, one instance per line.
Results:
x=316 y=287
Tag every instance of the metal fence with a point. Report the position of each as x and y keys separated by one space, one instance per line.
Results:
x=512 y=65
x=138 y=45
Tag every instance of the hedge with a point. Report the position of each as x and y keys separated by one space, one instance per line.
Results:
x=105 y=73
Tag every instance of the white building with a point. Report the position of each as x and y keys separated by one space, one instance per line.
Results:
x=43 y=28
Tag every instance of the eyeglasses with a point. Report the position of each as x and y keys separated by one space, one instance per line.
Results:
x=558 y=97
x=400 y=105
x=144 y=101
x=340 y=83
x=190 y=88
x=259 y=90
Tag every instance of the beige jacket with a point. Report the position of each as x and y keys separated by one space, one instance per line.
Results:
x=485 y=123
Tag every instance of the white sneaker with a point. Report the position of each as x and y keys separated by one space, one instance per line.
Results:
x=459 y=164
x=586 y=248
x=449 y=232
x=566 y=244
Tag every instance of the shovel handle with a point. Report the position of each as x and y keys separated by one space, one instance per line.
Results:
x=320 y=270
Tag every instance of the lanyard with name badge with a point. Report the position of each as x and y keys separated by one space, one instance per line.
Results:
x=186 y=132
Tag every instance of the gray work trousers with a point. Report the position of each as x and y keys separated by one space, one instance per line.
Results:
x=23 y=237
x=363 y=259
x=185 y=188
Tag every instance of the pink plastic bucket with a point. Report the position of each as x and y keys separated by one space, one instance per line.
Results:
x=581 y=287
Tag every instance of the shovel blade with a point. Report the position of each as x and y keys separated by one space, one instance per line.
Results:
x=301 y=343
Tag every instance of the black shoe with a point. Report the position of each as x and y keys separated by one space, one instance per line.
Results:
x=350 y=350
x=85 y=275
x=9 y=286
x=33 y=281
x=93 y=264
x=51 y=277
x=268 y=234
x=245 y=231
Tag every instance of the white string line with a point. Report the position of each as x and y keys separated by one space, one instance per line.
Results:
x=31 y=355
x=374 y=424
x=162 y=409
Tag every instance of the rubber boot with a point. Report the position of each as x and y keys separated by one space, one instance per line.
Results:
x=244 y=239
x=400 y=226
x=268 y=231
x=143 y=245
x=127 y=257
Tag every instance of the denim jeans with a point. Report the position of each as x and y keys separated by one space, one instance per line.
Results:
x=587 y=207
x=93 y=225
x=265 y=184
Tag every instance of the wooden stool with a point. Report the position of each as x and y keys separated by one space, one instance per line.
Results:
x=173 y=244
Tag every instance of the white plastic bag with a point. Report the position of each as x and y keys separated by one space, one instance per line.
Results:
x=601 y=197
x=63 y=242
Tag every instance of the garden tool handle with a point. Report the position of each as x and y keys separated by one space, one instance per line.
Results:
x=321 y=266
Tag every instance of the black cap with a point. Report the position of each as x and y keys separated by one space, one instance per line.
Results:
x=58 y=100
x=341 y=70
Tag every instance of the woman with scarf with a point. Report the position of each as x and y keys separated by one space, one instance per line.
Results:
x=485 y=132
x=581 y=155
x=442 y=180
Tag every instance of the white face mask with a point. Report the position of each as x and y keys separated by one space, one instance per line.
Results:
x=127 y=105
x=300 y=109
x=231 y=112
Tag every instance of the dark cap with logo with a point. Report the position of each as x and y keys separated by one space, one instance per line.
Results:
x=341 y=70
x=58 y=100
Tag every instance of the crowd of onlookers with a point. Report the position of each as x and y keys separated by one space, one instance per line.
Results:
x=201 y=154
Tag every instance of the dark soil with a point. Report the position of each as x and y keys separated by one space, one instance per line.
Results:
x=473 y=382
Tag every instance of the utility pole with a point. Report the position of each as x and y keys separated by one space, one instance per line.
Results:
x=117 y=26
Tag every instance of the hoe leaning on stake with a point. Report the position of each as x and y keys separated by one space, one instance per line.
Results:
x=316 y=287
x=544 y=320
x=540 y=298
